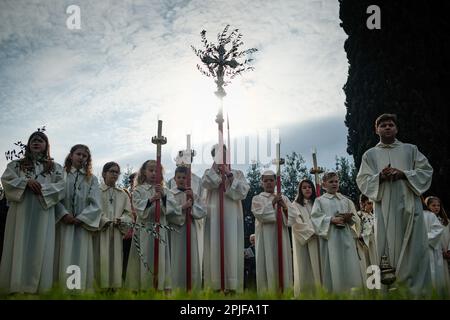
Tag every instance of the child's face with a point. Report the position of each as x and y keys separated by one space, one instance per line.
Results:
x=111 y=175
x=332 y=185
x=368 y=207
x=435 y=206
x=268 y=183
x=180 y=180
x=306 y=190
x=79 y=158
x=387 y=129
x=150 y=174
x=37 y=145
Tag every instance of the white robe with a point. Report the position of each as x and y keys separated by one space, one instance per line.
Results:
x=29 y=243
x=305 y=247
x=233 y=231
x=178 y=249
x=439 y=270
x=368 y=235
x=398 y=209
x=266 y=248
x=361 y=247
x=74 y=244
x=445 y=242
x=138 y=277
x=108 y=241
x=339 y=259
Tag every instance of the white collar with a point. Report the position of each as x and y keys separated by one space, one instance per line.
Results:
x=394 y=144
x=331 y=196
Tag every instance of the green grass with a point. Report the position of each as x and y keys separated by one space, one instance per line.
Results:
x=400 y=293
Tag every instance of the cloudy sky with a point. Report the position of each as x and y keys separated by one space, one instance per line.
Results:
x=130 y=63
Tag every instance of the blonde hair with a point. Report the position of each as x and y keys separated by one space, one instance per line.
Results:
x=140 y=178
x=328 y=175
x=87 y=165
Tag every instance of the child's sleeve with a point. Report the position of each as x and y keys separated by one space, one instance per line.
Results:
x=199 y=208
x=140 y=202
x=53 y=191
x=320 y=220
x=211 y=180
x=90 y=216
x=13 y=184
x=126 y=216
x=263 y=210
x=301 y=230
x=435 y=230
x=239 y=187
x=172 y=208
x=292 y=212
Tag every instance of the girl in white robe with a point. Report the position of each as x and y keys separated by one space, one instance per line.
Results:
x=439 y=250
x=78 y=217
x=178 y=248
x=140 y=270
x=368 y=222
x=366 y=235
x=115 y=222
x=33 y=186
x=333 y=216
x=305 y=241
x=264 y=208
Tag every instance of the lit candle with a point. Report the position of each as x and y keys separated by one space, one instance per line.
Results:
x=189 y=143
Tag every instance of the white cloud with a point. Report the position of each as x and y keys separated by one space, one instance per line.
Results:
x=106 y=84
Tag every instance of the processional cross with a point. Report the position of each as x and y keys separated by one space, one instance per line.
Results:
x=222 y=65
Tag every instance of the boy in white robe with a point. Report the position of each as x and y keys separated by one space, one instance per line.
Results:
x=264 y=208
x=333 y=216
x=78 y=216
x=200 y=192
x=394 y=175
x=236 y=189
x=185 y=198
x=33 y=187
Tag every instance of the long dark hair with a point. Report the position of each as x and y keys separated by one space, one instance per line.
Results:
x=442 y=215
x=300 y=197
x=88 y=164
x=26 y=163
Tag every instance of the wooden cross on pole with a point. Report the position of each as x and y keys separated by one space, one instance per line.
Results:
x=279 y=162
x=159 y=140
x=316 y=171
